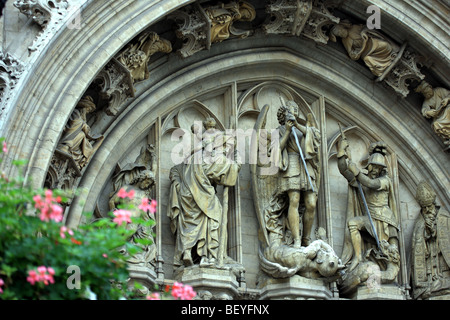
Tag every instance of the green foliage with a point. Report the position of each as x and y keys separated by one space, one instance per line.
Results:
x=27 y=242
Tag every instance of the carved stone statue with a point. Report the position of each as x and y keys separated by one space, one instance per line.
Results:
x=77 y=140
x=140 y=177
x=372 y=217
x=374 y=49
x=286 y=249
x=436 y=107
x=223 y=16
x=137 y=55
x=430 y=253
x=318 y=260
x=196 y=213
x=294 y=180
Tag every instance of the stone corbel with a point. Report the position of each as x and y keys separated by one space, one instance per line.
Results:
x=136 y=56
x=307 y=18
x=403 y=70
x=200 y=27
x=115 y=85
x=318 y=21
x=193 y=28
x=63 y=172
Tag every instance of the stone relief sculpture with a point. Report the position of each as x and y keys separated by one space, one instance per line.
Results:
x=394 y=65
x=140 y=177
x=223 y=16
x=198 y=218
x=307 y=18
x=372 y=219
x=136 y=56
x=281 y=196
x=436 y=107
x=430 y=253
x=49 y=15
x=77 y=140
x=10 y=71
x=199 y=27
x=377 y=52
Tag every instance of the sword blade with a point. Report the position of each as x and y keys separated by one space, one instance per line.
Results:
x=303 y=158
x=361 y=192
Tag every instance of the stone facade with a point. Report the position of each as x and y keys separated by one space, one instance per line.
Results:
x=153 y=76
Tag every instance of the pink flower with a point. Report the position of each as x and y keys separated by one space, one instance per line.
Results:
x=124 y=194
x=154 y=296
x=49 y=210
x=43 y=274
x=5 y=148
x=122 y=216
x=1 y=284
x=33 y=277
x=153 y=205
x=183 y=292
x=63 y=230
x=145 y=206
x=105 y=255
x=56 y=213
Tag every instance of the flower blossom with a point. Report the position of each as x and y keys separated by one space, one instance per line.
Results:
x=153 y=296
x=63 y=230
x=1 y=284
x=49 y=207
x=5 y=148
x=122 y=216
x=145 y=206
x=182 y=291
x=43 y=274
x=124 y=194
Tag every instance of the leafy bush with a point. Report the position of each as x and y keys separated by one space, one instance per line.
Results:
x=40 y=258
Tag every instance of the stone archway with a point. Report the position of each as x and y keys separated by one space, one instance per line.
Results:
x=336 y=89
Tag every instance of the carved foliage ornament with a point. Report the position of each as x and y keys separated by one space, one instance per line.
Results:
x=42 y=11
x=49 y=14
x=10 y=71
x=307 y=18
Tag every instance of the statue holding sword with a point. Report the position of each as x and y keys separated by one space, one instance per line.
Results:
x=371 y=211
x=299 y=169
